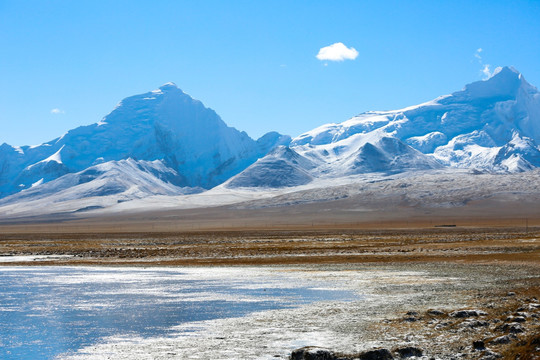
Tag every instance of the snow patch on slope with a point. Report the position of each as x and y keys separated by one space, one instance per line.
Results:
x=56 y=157
x=101 y=185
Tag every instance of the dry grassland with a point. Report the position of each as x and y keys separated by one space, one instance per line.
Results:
x=266 y=247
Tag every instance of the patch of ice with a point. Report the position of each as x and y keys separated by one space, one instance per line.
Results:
x=56 y=157
x=275 y=333
x=30 y=258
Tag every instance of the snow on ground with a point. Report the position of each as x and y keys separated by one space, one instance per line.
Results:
x=432 y=188
x=30 y=258
x=221 y=195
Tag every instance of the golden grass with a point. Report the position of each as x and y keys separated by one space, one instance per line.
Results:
x=258 y=247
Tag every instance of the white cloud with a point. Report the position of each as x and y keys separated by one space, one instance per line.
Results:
x=337 y=52
x=486 y=71
x=57 y=111
x=477 y=54
x=486 y=68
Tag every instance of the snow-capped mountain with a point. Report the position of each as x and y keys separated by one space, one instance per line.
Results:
x=165 y=143
x=165 y=124
x=125 y=179
x=491 y=125
x=282 y=167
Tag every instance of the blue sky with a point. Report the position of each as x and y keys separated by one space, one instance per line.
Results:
x=68 y=63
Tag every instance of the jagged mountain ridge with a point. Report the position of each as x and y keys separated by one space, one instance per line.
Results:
x=491 y=125
x=162 y=142
x=165 y=124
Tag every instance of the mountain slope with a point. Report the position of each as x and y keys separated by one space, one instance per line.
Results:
x=99 y=186
x=138 y=178
x=491 y=125
x=358 y=154
x=282 y=167
x=164 y=124
x=468 y=128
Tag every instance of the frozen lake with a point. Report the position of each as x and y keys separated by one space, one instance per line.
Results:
x=51 y=312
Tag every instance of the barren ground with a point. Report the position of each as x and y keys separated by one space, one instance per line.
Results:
x=275 y=247
x=485 y=263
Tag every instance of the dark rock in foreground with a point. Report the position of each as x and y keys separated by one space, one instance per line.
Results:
x=377 y=354
x=508 y=331
x=479 y=345
x=435 y=312
x=312 y=353
x=467 y=313
x=409 y=351
x=316 y=353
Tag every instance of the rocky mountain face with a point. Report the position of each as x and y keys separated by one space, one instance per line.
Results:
x=165 y=124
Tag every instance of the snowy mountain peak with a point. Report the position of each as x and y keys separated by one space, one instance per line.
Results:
x=492 y=125
x=165 y=124
x=505 y=69
x=505 y=83
x=169 y=86
x=174 y=141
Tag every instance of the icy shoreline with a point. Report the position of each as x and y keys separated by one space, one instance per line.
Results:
x=275 y=334
x=30 y=258
x=374 y=317
x=46 y=311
